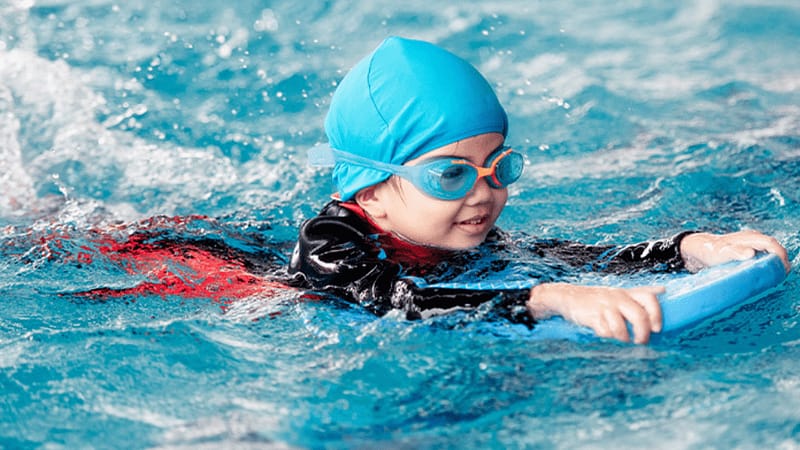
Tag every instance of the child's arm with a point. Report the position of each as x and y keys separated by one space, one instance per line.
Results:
x=660 y=255
x=701 y=250
x=605 y=310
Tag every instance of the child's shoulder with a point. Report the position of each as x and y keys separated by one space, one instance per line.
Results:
x=337 y=222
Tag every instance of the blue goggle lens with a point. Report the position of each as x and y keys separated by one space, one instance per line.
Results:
x=509 y=169
x=456 y=176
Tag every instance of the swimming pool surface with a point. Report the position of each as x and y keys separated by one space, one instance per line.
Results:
x=638 y=120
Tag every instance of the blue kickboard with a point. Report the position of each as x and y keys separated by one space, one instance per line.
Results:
x=691 y=298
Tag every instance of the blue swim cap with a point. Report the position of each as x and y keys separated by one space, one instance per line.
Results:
x=403 y=100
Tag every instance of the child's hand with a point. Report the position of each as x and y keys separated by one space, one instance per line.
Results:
x=605 y=310
x=701 y=250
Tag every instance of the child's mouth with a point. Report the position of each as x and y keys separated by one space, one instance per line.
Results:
x=474 y=221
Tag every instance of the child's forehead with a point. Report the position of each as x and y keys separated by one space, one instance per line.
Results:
x=475 y=148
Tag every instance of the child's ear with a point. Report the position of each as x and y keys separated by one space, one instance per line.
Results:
x=369 y=200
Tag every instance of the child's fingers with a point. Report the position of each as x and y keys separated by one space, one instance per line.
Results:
x=771 y=245
x=643 y=312
x=756 y=241
x=612 y=325
x=615 y=325
x=647 y=297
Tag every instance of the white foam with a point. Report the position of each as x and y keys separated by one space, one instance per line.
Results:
x=16 y=186
x=49 y=120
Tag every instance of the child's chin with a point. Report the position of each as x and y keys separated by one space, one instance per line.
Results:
x=465 y=243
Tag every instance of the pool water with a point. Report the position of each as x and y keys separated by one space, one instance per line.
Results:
x=638 y=120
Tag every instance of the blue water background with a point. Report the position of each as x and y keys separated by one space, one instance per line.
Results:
x=638 y=119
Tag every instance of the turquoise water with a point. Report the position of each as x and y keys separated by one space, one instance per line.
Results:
x=638 y=120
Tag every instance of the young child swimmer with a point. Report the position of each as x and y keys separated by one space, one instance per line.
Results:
x=417 y=139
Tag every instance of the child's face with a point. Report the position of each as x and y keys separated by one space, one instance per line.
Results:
x=398 y=206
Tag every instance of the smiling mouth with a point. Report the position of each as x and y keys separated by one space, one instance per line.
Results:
x=480 y=220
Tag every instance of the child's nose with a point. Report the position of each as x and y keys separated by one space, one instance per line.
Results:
x=480 y=192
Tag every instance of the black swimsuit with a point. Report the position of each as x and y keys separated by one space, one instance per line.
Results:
x=343 y=253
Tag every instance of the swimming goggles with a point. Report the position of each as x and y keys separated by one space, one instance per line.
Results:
x=445 y=178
